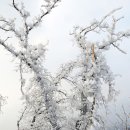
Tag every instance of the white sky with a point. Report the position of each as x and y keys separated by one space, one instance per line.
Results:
x=56 y=28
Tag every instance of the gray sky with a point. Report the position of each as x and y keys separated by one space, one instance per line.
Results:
x=56 y=28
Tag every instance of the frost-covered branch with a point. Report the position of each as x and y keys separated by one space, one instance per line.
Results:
x=102 y=26
x=50 y=4
x=8 y=48
x=64 y=71
x=31 y=58
x=98 y=24
x=21 y=118
x=91 y=71
x=43 y=82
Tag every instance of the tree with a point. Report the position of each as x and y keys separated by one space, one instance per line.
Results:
x=45 y=101
x=31 y=57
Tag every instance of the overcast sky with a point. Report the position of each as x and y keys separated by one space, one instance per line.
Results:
x=55 y=29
